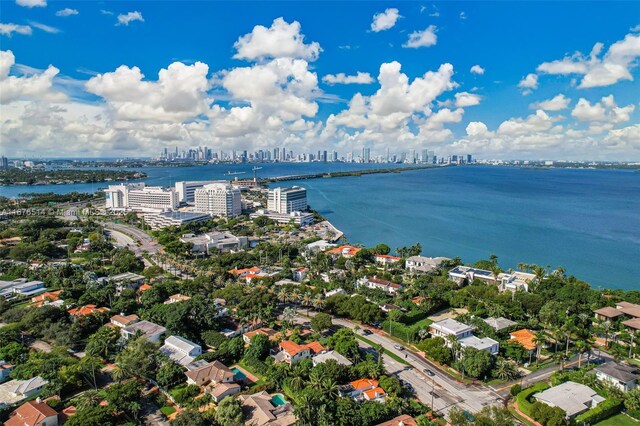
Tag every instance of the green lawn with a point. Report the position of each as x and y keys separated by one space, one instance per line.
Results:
x=618 y=420
x=391 y=354
x=167 y=410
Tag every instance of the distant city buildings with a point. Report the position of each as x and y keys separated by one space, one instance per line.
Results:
x=218 y=199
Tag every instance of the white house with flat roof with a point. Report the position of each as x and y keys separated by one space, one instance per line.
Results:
x=482 y=344
x=330 y=355
x=574 y=398
x=153 y=332
x=21 y=287
x=515 y=281
x=16 y=391
x=450 y=327
x=425 y=265
x=461 y=274
x=180 y=350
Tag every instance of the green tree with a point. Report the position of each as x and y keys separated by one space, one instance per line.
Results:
x=476 y=363
x=170 y=374
x=122 y=396
x=436 y=348
x=258 y=348
x=321 y=322
x=103 y=343
x=92 y=416
x=139 y=358
x=344 y=342
x=229 y=412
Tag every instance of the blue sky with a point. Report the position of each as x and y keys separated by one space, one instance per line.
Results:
x=87 y=108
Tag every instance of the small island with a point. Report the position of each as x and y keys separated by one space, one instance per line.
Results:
x=15 y=176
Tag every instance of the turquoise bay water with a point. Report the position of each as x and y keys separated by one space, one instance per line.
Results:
x=587 y=221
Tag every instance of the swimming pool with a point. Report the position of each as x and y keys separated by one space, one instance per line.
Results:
x=239 y=374
x=278 y=399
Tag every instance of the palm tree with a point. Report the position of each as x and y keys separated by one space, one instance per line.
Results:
x=316 y=381
x=506 y=370
x=330 y=388
x=296 y=382
x=379 y=350
x=452 y=339
x=581 y=347
x=318 y=302
x=539 y=339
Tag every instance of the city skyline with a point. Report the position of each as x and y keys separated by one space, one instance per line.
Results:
x=382 y=76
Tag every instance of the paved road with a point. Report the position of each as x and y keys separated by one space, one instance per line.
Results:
x=146 y=242
x=447 y=391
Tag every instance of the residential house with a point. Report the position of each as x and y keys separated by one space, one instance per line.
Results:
x=333 y=273
x=623 y=377
x=364 y=390
x=500 y=323
x=21 y=288
x=465 y=274
x=316 y=247
x=385 y=259
x=450 y=327
x=330 y=355
x=47 y=298
x=123 y=321
x=269 y=332
x=262 y=409
x=623 y=310
x=33 y=413
x=526 y=338
x=574 y=398
x=152 y=332
x=15 y=391
x=344 y=251
x=388 y=307
x=378 y=284
x=300 y=274
x=291 y=352
x=334 y=292
x=486 y=344
x=515 y=281
x=180 y=350
x=176 y=298
x=87 y=310
x=402 y=420
x=213 y=373
x=424 y=265
x=127 y=280
x=223 y=390
x=215 y=241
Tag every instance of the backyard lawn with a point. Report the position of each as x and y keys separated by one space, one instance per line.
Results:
x=618 y=420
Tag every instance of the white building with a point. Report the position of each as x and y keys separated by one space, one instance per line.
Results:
x=176 y=218
x=180 y=350
x=378 y=284
x=515 y=281
x=422 y=264
x=330 y=355
x=186 y=190
x=219 y=199
x=574 y=398
x=152 y=332
x=138 y=197
x=623 y=377
x=448 y=327
x=298 y=218
x=287 y=200
x=21 y=288
x=15 y=391
x=215 y=240
x=462 y=274
x=485 y=344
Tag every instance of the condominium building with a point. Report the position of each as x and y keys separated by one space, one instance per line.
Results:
x=287 y=200
x=219 y=199
x=186 y=190
x=137 y=196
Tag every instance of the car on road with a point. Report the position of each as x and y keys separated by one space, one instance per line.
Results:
x=429 y=372
x=398 y=347
x=366 y=332
x=409 y=388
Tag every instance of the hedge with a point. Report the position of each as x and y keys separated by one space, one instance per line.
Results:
x=604 y=410
x=523 y=397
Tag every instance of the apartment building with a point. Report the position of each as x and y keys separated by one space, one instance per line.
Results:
x=287 y=200
x=218 y=199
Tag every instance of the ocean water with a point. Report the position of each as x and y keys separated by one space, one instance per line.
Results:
x=587 y=221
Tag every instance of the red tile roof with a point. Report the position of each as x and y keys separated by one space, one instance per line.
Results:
x=525 y=338
x=364 y=383
x=87 y=310
x=47 y=296
x=344 y=250
x=374 y=393
x=292 y=348
x=30 y=413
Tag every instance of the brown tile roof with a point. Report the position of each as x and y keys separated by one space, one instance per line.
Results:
x=633 y=323
x=125 y=320
x=609 y=312
x=87 y=310
x=30 y=413
x=630 y=309
x=213 y=372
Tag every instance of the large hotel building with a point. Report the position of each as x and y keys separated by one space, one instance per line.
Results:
x=287 y=200
x=218 y=199
x=138 y=197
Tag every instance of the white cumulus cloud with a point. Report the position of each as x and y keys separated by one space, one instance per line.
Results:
x=67 y=12
x=477 y=69
x=280 y=40
x=13 y=88
x=342 y=78
x=385 y=20
x=557 y=103
x=126 y=19
x=466 y=99
x=31 y=3
x=528 y=83
x=10 y=29
x=423 y=38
